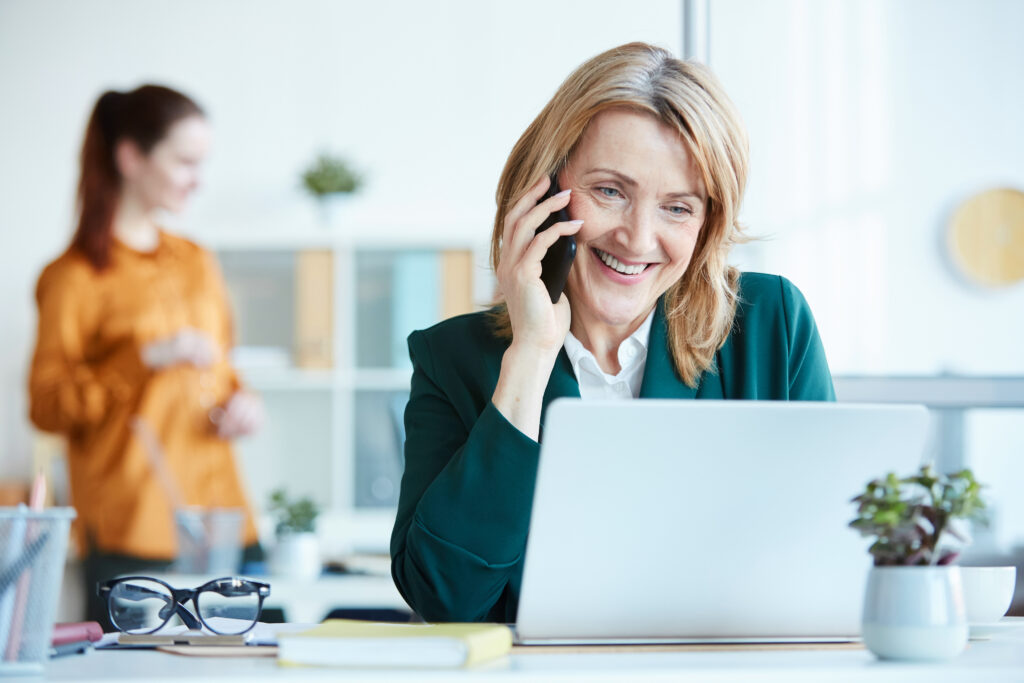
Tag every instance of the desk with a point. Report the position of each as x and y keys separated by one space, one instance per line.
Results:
x=992 y=661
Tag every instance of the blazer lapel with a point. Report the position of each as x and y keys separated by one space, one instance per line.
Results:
x=660 y=378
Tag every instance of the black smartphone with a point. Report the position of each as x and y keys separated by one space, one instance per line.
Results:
x=554 y=267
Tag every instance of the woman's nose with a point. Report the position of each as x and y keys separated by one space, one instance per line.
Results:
x=638 y=232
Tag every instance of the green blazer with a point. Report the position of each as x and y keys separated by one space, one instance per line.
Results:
x=464 y=510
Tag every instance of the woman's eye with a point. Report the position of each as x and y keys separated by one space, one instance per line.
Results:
x=680 y=211
x=609 y=192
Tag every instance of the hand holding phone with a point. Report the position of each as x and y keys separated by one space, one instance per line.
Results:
x=555 y=266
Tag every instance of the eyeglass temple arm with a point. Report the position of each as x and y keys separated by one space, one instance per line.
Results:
x=191 y=622
x=142 y=593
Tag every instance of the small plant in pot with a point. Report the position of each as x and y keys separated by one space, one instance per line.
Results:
x=296 y=550
x=913 y=605
x=330 y=178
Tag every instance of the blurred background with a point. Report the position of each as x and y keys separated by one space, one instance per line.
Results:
x=870 y=123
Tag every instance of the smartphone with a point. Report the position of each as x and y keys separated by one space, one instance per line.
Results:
x=554 y=267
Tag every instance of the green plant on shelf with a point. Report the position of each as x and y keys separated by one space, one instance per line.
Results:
x=293 y=516
x=914 y=520
x=331 y=175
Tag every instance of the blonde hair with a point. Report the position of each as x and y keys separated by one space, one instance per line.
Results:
x=686 y=96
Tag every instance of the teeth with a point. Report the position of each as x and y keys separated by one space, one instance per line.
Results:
x=618 y=267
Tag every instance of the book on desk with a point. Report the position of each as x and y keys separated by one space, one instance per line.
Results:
x=342 y=642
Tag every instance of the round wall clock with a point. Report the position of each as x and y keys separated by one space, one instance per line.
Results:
x=986 y=237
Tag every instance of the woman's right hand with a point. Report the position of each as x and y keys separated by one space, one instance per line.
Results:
x=188 y=346
x=537 y=324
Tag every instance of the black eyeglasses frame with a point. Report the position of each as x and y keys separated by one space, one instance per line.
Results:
x=181 y=596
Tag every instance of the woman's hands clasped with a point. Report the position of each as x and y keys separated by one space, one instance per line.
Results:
x=242 y=415
x=537 y=324
x=188 y=346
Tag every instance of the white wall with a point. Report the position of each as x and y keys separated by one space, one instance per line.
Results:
x=427 y=97
x=869 y=122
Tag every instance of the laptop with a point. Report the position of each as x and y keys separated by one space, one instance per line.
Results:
x=705 y=521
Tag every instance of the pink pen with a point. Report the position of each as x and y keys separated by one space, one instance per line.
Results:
x=37 y=499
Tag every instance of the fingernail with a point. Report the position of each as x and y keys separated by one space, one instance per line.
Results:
x=564 y=193
x=575 y=222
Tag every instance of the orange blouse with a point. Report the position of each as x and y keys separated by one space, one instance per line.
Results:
x=88 y=382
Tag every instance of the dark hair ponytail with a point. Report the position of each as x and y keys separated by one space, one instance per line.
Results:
x=143 y=116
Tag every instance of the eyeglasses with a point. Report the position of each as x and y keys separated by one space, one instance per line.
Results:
x=141 y=604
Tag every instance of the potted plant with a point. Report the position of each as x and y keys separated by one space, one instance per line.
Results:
x=330 y=178
x=913 y=604
x=296 y=550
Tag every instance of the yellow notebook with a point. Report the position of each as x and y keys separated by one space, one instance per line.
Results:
x=344 y=642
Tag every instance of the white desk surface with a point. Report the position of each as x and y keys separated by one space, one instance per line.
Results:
x=992 y=661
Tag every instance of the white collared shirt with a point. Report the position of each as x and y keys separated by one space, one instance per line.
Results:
x=595 y=382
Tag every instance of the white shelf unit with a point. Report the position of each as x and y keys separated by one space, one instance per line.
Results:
x=311 y=444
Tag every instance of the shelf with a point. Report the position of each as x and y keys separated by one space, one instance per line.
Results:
x=330 y=241
x=322 y=318
x=297 y=379
x=382 y=379
x=287 y=379
x=959 y=392
x=361 y=529
x=363 y=225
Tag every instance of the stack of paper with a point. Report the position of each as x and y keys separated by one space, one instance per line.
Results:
x=342 y=642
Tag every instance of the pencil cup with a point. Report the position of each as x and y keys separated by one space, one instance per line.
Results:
x=33 y=547
x=209 y=540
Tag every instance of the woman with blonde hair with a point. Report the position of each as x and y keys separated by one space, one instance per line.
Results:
x=652 y=159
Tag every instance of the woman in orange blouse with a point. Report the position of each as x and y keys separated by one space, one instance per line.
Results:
x=131 y=355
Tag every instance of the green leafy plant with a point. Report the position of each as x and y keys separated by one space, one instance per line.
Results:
x=293 y=516
x=912 y=518
x=331 y=174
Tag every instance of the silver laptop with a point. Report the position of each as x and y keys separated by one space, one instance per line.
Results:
x=658 y=520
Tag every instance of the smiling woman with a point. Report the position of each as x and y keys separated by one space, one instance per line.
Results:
x=653 y=161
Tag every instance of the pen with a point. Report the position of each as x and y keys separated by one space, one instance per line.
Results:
x=78 y=647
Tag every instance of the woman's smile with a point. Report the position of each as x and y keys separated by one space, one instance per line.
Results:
x=621 y=269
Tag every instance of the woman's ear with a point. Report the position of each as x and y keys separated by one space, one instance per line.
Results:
x=128 y=158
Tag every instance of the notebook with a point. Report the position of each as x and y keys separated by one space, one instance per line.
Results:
x=683 y=521
x=343 y=642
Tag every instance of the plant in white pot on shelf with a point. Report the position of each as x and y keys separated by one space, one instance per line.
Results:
x=331 y=179
x=296 y=550
x=914 y=604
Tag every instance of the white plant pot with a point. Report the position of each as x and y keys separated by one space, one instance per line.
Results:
x=914 y=613
x=332 y=208
x=296 y=556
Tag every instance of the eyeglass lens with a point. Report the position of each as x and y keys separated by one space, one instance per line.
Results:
x=229 y=606
x=141 y=605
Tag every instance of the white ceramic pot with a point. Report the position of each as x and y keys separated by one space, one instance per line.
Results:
x=332 y=208
x=296 y=556
x=914 y=613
